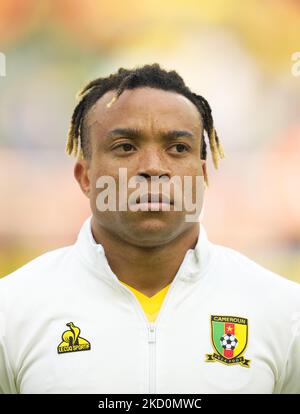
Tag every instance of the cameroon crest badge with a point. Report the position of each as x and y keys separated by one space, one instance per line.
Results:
x=229 y=336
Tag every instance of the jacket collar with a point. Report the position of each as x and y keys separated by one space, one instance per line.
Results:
x=193 y=266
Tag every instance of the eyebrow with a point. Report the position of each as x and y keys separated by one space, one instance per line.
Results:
x=135 y=133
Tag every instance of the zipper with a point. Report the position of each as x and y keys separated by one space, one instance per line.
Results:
x=152 y=342
x=152 y=326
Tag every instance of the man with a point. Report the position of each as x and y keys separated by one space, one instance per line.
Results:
x=155 y=305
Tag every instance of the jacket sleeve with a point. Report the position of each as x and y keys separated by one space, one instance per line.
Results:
x=7 y=383
x=290 y=383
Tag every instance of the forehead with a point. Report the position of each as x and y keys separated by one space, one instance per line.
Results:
x=144 y=107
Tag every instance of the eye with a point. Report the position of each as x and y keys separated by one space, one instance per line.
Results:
x=126 y=147
x=181 y=148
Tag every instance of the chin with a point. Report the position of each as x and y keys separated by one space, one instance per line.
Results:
x=153 y=231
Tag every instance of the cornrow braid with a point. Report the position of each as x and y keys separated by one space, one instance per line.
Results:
x=125 y=82
x=148 y=75
x=214 y=143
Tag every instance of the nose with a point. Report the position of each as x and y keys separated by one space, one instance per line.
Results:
x=153 y=163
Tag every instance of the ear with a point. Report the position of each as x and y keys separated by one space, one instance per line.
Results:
x=81 y=173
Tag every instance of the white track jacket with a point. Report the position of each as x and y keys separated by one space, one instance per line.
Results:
x=227 y=325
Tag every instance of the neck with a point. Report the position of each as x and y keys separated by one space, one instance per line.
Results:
x=147 y=269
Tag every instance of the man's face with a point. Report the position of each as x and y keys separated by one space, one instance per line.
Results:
x=151 y=113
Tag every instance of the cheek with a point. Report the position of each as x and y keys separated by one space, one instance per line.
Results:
x=190 y=168
x=196 y=167
x=100 y=166
x=104 y=178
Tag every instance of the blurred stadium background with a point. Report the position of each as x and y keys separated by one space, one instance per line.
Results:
x=235 y=53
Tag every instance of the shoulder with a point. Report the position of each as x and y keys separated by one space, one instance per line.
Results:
x=37 y=271
x=253 y=277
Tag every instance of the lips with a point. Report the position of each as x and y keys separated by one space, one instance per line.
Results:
x=154 y=198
